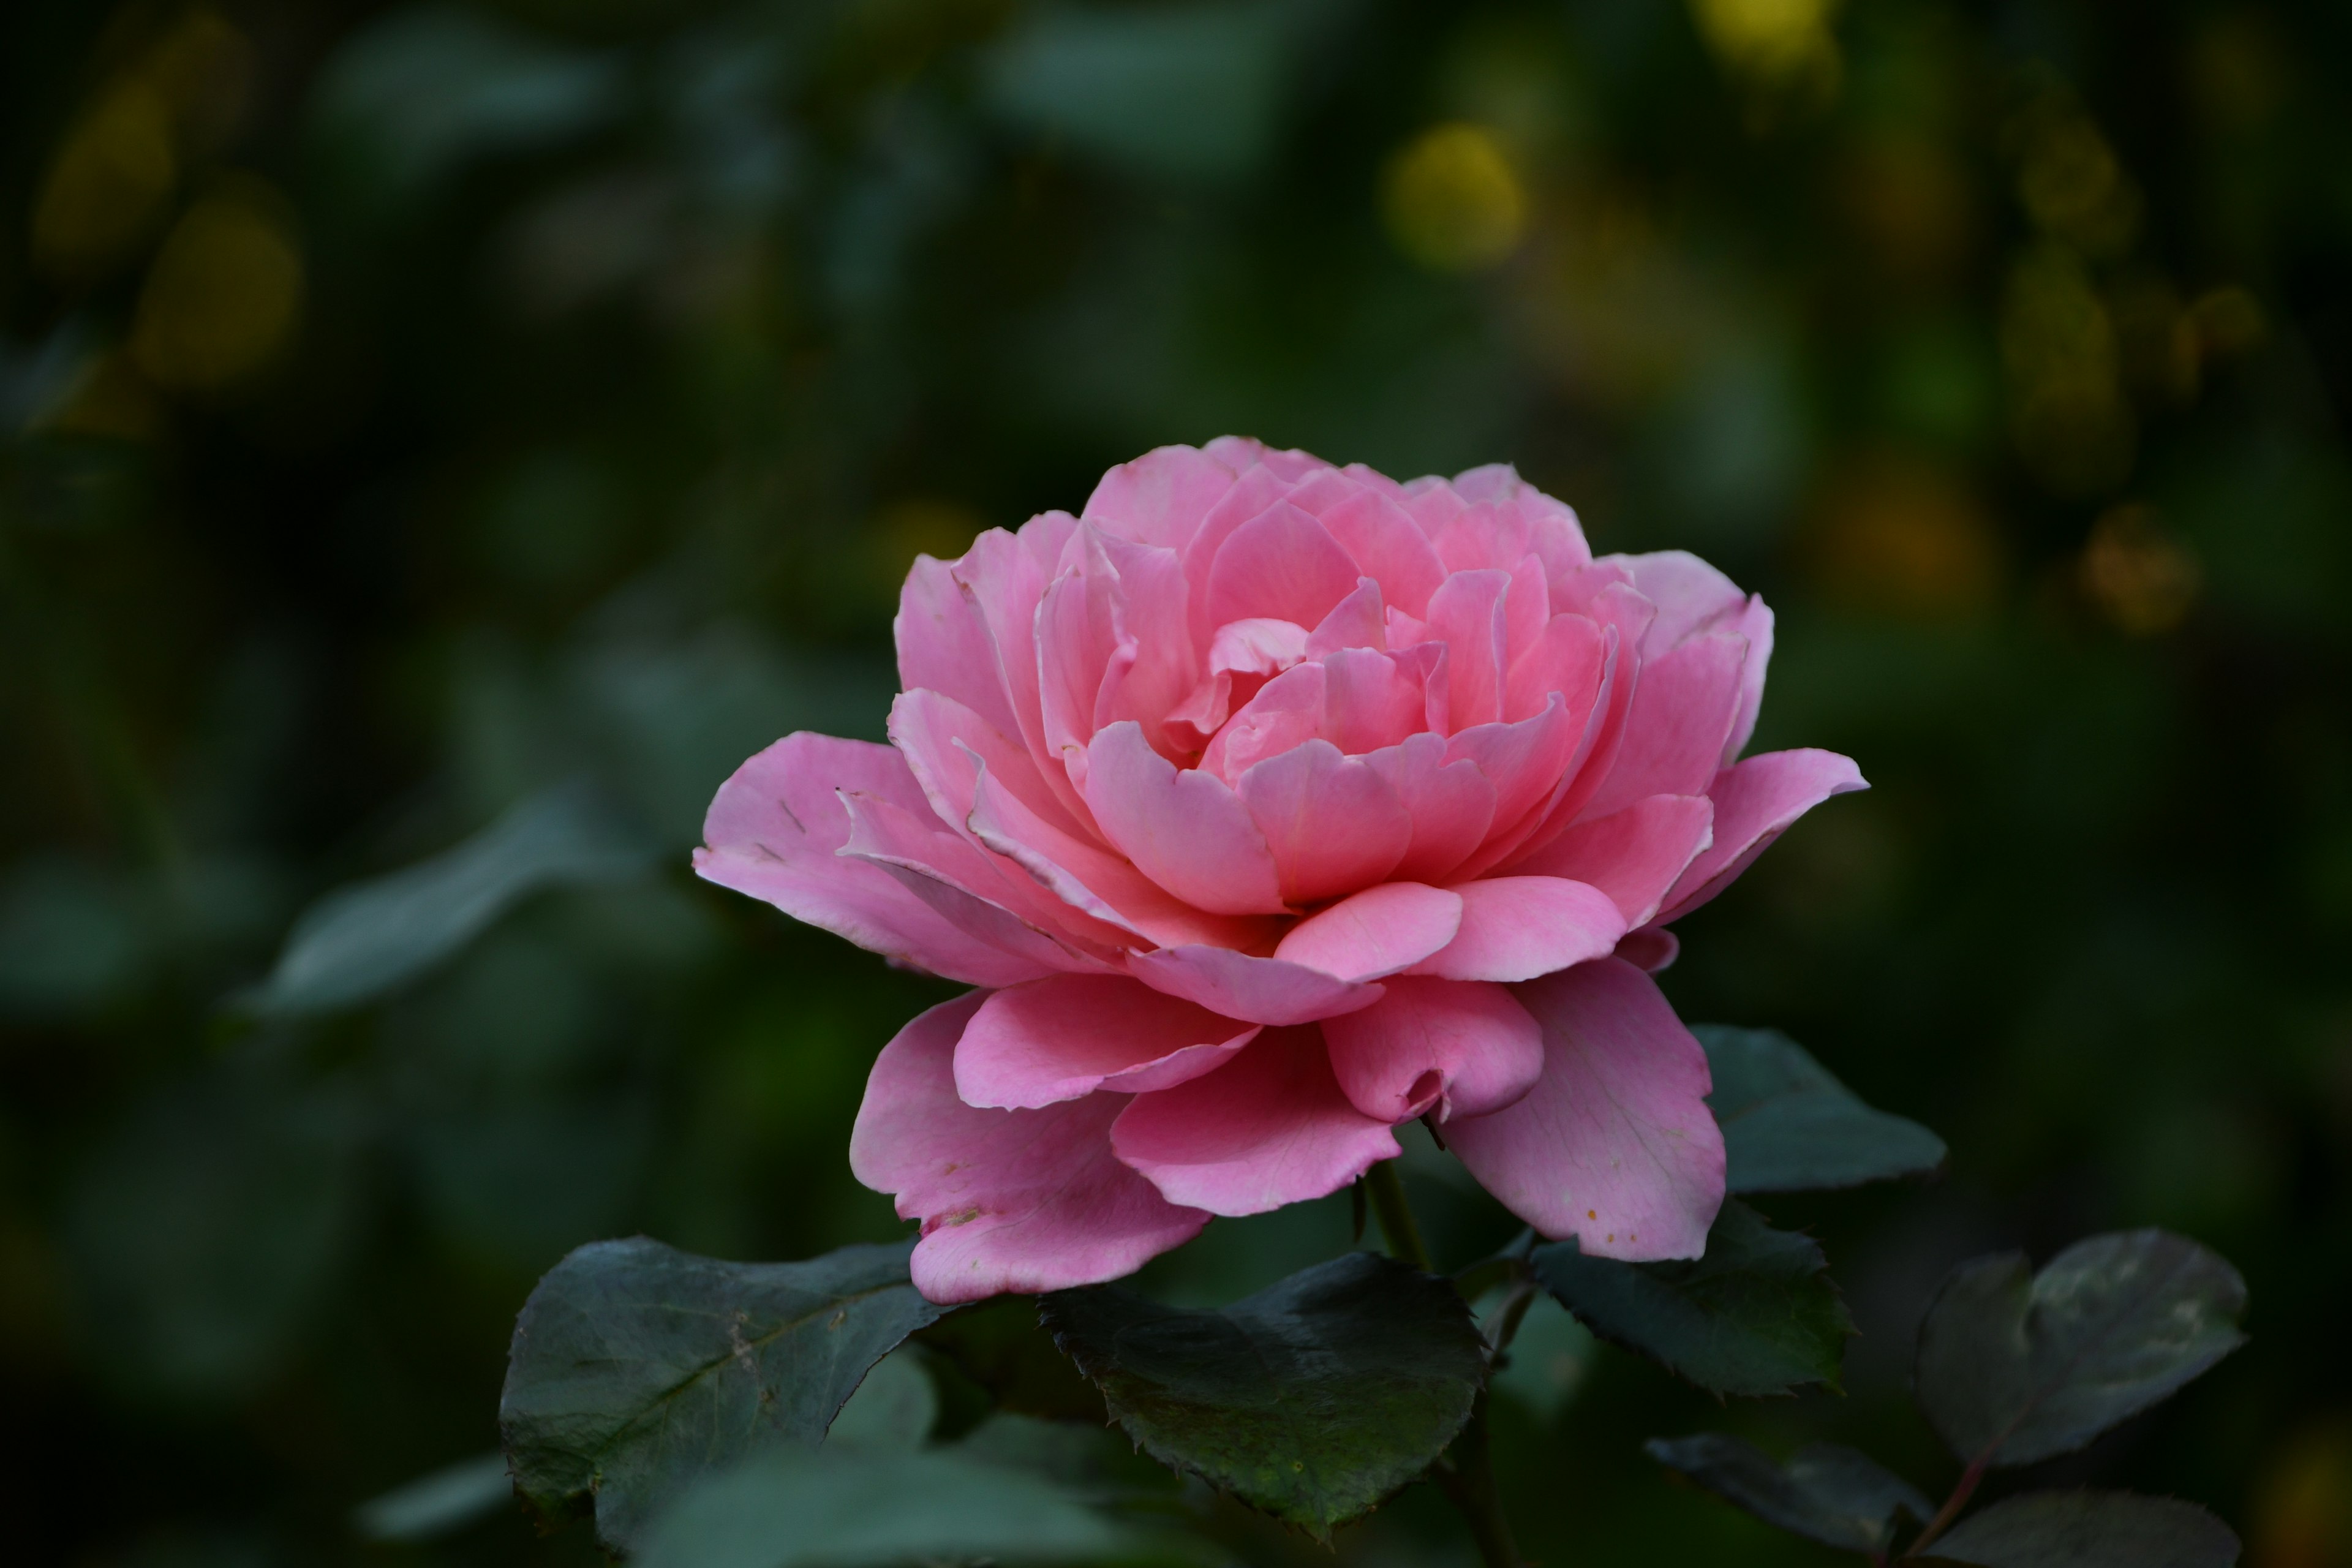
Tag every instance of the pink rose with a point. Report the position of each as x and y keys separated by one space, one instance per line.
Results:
x=1271 y=805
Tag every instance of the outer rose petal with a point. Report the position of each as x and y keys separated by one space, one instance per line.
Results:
x=1160 y=497
x=1184 y=829
x=1010 y=1200
x=944 y=644
x=1377 y=931
x=1457 y=1048
x=1684 y=705
x=1515 y=928
x=1262 y=990
x=1755 y=801
x=775 y=831
x=1268 y=1127
x=1058 y=1038
x=1614 y=1145
x=1633 y=855
x=1691 y=596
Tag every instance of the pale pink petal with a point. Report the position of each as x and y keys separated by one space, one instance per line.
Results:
x=1243 y=655
x=1153 y=669
x=1515 y=928
x=1078 y=637
x=1373 y=700
x=1333 y=824
x=1022 y=1201
x=1007 y=575
x=1691 y=597
x=1467 y=615
x=1451 y=804
x=1069 y=1034
x=1282 y=564
x=1755 y=624
x=1261 y=990
x=1161 y=498
x=775 y=831
x=945 y=743
x=944 y=645
x=1377 y=931
x=1569 y=655
x=1679 y=722
x=1287 y=711
x=1268 y=1127
x=1258 y=488
x=1527 y=608
x=1633 y=855
x=1451 y=1046
x=1755 y=801
x=1383 y=540
x=1614 y=1144
x=1524 y=760
x=1186 y=830
x=1358 y=621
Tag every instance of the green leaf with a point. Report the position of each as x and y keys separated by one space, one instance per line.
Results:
x=1757 y=1315
x=2016 y=1366
x=1789 y=1126
x=635 y=1368
x=893 y=1408
x=1312 y=1400
x=1002 y=1347
x=439 y=1503
x=1826 y=1492
x=362 y=942
x=860 y=1508
x=2088 y=1529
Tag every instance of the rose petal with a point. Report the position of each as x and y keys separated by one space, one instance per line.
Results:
x=1268 y=1127
x=1453 y=1046
x=1679 y=722
x=1755 y=801
x=1614 y=1144
x=1262 y=990
x=1070 y=1035
x=1010 y=1200
x=1691 y=596
x=1467 y=615
x=1515 y=928
x=1161 y=498
x=1186 y=830
x=1333 y=824
x=1451 y=803
x=1377 y=931
x=1282 y=565
x=944 y=645
x=1633 y=855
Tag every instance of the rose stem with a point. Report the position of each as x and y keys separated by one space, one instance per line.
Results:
x=1469 y=1481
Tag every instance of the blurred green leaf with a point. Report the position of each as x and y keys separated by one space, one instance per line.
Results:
x=849 y=1508
x=72 y=939
x=1789 y=1126
x=1000 y=1346
x=438 y=1504
x=2088 y=1529
x=1312 y=1400
x=1757 y=1315
x=637 y=1368
x=893 y=1408
x=364 y=941
x=1826 y=1492
x=2016 y=1366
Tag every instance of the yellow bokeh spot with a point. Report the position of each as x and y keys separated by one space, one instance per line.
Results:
x=2141 y=578
x=107 y=186
x=1453 y=201
x=1772 y=38
x=223 y=295
x=1898 y=536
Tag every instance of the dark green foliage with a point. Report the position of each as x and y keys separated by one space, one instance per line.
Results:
x=851 y=1509
x=1789 y=1126
x=1826 y=1492
x=1312 y=1400
x=2018 y=1366
x=637 y=1368
x=1003 y=1348
x=1756 y=1315
x=2088 y=1529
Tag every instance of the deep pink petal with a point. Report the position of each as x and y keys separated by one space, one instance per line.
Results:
x=775 y=831
x=1070 y=1035
x=944 y=645
x=1010 y=1200
x=1679 y=722
x=1515 y=928
x=1268 y=1127
x=1614 y=1144
x=1755 y=801
x=1242 y=657
x=1653 y=948
x=1377 y=931
x=1186 y=830
x=1282 y=564
x=1451 y=803
x=1333 y=824
x=1451 y=1046
x=1633 y=855
x=1287 y=711
x=1261 y=990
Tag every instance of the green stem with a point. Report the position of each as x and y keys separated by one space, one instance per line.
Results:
x=1469 y=1482
x=1396 y=1216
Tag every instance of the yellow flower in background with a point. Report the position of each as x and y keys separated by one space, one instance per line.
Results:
x=224 y=293
x=106 y=188
x=1453 y=201
x=1768 y=38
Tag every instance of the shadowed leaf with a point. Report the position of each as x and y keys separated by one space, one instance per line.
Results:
x=1757 y=1315
x=2019 y=1366
x=1826 y=1492
x=2088 y=1529
x=1312 y=1400
x=1789 y=1126
x=637 y=1368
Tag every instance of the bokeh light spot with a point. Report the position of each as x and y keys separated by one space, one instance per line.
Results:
x=1453 y=201
x=223 y=295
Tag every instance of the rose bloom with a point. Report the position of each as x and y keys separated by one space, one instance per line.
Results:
x=1270 y=805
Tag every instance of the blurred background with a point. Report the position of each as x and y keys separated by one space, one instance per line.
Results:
x=438 y=442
